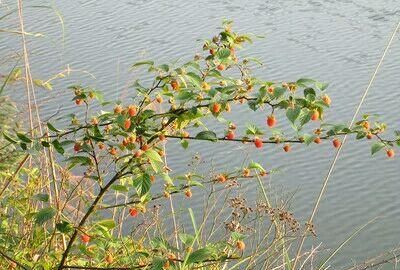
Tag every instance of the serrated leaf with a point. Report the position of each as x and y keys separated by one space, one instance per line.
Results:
x=223 y=53
x=200 y=255
x=293 y=114
x=23 y=138
x=58 y=147
x=207 y=135
x=64 y=227
x=44 y=215
x=107 y=223
x=78 y=160
x=185 y=144
x=142 y=184
x=194 y=79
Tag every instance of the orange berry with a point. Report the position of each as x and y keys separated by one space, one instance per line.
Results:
x=336 y=143
x=188 y=193
x=185 y=134
x=95 y=121
x=127 y=123
x=271 y=89
x=85 y=238
x=287 y=148
x=230 y=135
x=166 y=265
x=118 y=109
x=145 y=147
x=271 y=120
x=326 y=99
x=113 y=151
x=175 y=84
x=258 y=142
x=125 y=142
x=101 y=145
x=132 y=110
x=138 y=153
x=133 y=212
x=366 y=125
x=221 y=178
x=240 y=245
x=171 y=256
x=216 y=108
x=221 y=67
x=317 y=140
x=369 y=136
x=315 y=115
x=390 y=153
x=109 y=259
x=246 y=172
x=77 y=147
x=78 y=101
x=212 y=51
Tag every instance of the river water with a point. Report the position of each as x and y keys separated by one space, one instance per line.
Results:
x=339 y=42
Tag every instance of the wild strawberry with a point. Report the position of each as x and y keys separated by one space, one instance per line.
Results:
x=221 y=67
x=127 y=123
x=85 y=238
x=125 y=142
x=271 y=120
x=271 y=90
x=287 y=148
x=145 y=147
x=133 y=212
x=188 y=193
x=132 y=110
x=230 y=135
x=77 y=147
x=118 y=109
x=113 y=151
x=390 y=153
x=221 y=178
x=78 y=101
x=315 y=115
x=369 y=136
x=175 y=85
x=336 y=143
x=258 y=142
x=240 y=245
x=101 y=145
x=109 y=259
x=216 y=107
x=212 y=51
x=326 y=99
x=317 y=140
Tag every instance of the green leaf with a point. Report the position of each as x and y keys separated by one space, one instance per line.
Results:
x=43 y=197
x=207 y=135
x=44 y=215
x=305 y=81
x=185 y=144
x=200 y=255
x=158 y=263
x=52 y=128
x=120 y=188
x=321 y=85
x=142 y=184
x=78 y=160
x=58 y=147
x=305 y=116
x=64 y=227
x=141 y=63
x=23 y=138
x=187 y=239
x=278 y=92
x=255 y=165
x=223 y=53
x=376 y=147
x=293 y=114
x=107 y=223
x=194 y=79
x=8 y=138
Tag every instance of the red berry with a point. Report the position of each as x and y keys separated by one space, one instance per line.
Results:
x=230 y=135
x=138 y=153
x=287 y=148
x=390 y=153
x=315 y=115
x=336 y=143
x=221 y=67
x=240 y=245
x=132 y=110
x=369 y=136
x=216 y=108
x=125 y=142
x=317 y=140
x=113 y=151
x=212 y=51
x=221 y=178
x=188 y=193
x=77 y=147
x=133 y=212
x=145 y=147
x=127 y=123
x=175 y=84
x=258 y=142
x=78 y=101
x=118 y=109
x=85 y=238
x=271 y=120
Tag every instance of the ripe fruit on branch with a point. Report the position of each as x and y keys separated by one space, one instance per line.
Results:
x=240 y=245
x=390 y=153
x=221 y=67
x=317 y=140
x=77 y=147
x=85 y=238
x=138 y=153
x=133 y=212
x=221 y=178
x=125 y=142
x=287 y=148
x=78 y=101
x=369 y=136
x=271 y=120
x=118 y=109
x=366 y=125
x=336 y=143
x=145 y=147
x=132 y=110
x=113 y=151
x=188 y=193
x=326 y=99
x=230 y=135
x=258 y=142
x=271 y=90
x=216 y=107
x=127 y=123
x=315 y=115
x=175 y=85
